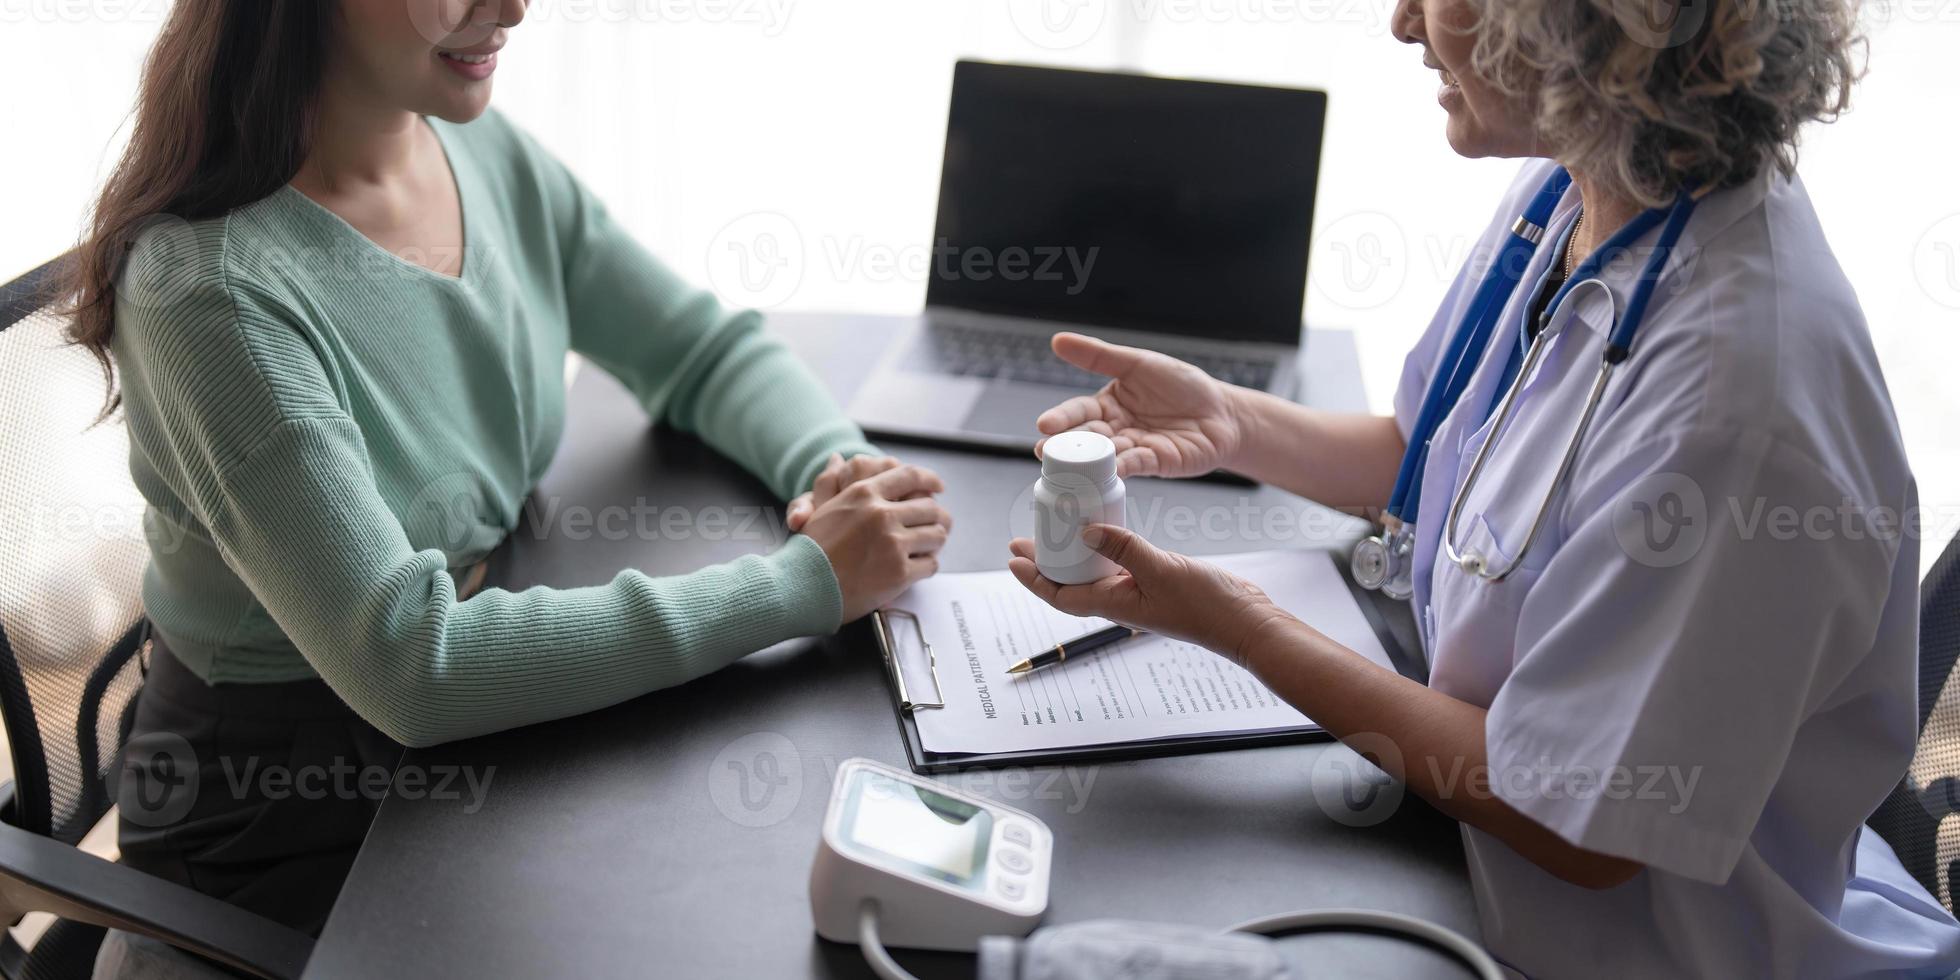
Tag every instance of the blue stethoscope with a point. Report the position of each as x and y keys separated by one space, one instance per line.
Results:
x=1386 y=560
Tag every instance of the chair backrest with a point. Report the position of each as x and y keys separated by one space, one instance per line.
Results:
x=72 y=636
x=1914 y=818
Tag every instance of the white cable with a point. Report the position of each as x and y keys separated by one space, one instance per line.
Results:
x=874 y=949
x=1349 y=919
x=1448 y=940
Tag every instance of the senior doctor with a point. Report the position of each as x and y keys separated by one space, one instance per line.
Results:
x=1608 y=586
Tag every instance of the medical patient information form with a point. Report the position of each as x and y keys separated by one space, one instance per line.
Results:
x=1144 y=688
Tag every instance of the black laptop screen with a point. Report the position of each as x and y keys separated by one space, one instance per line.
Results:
x=1126 y=201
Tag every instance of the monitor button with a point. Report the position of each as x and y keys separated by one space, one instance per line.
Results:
x=1015 y=860
x=1017 y=833
x=1011 y=889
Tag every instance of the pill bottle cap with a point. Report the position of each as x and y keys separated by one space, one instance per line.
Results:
x=1081 y=454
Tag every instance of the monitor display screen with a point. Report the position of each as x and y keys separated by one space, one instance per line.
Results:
x=916 y=829
x=1127 y=201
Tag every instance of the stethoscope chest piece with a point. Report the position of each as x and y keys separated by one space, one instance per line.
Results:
x=1386 y=561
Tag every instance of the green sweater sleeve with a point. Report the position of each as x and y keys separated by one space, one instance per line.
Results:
x=690 y=362
x=238 y=415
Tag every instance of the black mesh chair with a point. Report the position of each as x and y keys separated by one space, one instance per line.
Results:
x=73 y=647
x=1914 y=818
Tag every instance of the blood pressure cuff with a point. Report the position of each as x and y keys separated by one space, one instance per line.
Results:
x=1117 y=950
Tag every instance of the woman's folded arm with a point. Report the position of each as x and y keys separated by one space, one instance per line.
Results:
x=301 y=524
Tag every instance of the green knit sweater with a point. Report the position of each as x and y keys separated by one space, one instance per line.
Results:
x=323 y=430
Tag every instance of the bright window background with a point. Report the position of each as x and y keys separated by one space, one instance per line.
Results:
x=808 y=132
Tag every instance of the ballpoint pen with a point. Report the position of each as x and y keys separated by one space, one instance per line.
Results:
x=1075 y=648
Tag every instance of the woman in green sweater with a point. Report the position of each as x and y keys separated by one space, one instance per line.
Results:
x=334 y=290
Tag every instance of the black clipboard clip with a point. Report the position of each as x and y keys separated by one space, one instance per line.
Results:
x=881 y=620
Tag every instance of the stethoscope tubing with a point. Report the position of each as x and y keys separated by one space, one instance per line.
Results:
x=1474 y=563
x=1471 y=341
x=1618 y=347
x=1479 y=322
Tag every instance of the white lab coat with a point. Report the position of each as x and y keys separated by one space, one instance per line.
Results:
x=1675 y=675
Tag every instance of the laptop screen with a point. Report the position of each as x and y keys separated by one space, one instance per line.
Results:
x=1125 y=201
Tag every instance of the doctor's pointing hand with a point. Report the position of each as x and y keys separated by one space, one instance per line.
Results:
x=1662 y=726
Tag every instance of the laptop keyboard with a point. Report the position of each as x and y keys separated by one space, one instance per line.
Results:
x=1012 y=355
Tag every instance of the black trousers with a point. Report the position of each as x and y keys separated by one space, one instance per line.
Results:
x=257 y=794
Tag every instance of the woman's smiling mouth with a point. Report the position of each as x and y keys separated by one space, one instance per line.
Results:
x=1450 y=96
x=476 y=67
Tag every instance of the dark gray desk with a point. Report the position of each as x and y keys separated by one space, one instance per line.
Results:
x=618 y=844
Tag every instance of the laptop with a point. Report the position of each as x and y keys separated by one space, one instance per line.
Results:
x=1153 y=212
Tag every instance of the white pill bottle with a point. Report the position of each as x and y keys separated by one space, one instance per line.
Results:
x=1078 y=487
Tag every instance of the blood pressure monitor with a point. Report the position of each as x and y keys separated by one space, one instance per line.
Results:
x=943 y=867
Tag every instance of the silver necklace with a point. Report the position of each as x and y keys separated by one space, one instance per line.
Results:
x=1572 y=240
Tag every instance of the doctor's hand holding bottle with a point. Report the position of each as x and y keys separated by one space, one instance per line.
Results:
x=1170 y=419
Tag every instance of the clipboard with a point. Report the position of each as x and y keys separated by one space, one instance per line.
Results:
x=901 y=639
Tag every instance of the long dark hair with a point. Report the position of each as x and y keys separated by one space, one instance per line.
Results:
x=224 y=117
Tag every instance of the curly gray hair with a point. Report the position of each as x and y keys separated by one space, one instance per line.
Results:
x=1657 y=95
